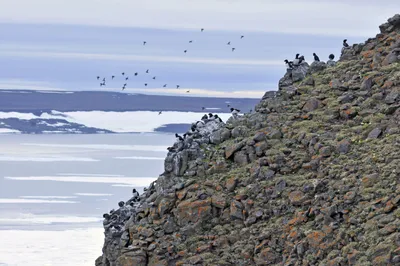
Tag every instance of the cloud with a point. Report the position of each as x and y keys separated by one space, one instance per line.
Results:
x=304 y=17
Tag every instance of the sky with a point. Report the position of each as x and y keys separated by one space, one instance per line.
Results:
x=57 y=44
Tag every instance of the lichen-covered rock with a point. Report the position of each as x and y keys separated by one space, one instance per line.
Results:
x=310 y=178
x=317 y=66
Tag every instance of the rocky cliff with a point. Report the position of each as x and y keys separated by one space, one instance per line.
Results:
x=311 y=178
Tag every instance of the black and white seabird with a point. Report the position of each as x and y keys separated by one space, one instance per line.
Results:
x=210 y=115
x=104 y=79
x=106 y=216
x=235 y=112
x=296 y=60
x=121 y=204
x=218 y=118
x=187 y=91
x=171 y=149
x=125 y=84
x=126 y=78
x=135 y=193
x=178 y=138
x=316 y=58
x=345 y=44
x=205 y=117
x=190 y=41
x=202 y=30
x=301 y=59
x=289 y=64
x=331 y=56
x=203 y=108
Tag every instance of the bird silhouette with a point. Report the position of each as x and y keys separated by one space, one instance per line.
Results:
x=202 y=30
x=165 y=85
x=177 y=86
x=147 y=71
x=190 y=41
x=159 y=112
x=136 y=73
x=185 y=51
x=144 y=43
x=154 y=77
x=123 y=73
x=229 y=43
x=233 y=49
x=104 y=79
x=203 y=108
x=125 y=84
x=228 y=105
x=145 y=84
x=112 y=77
x=98 y=77
x=123 y=88
x=126 y=78
x=241 y=37
x=187 y=91
x=101 y=84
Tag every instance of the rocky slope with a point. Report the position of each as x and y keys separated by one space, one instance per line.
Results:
x=311 y=178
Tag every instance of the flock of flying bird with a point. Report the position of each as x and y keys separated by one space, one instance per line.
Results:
x=126 y=78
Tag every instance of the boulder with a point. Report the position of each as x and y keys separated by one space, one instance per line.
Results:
x=317 y=67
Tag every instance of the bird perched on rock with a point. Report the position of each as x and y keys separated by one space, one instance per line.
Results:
x=235 y=112
x=316 y=58
x=301 y=59
x=121 y=204
x=296 y=60
x=106 y=216
x=210 y=115
x=216 y=117
x=135 y=193
x=205 y=117
x=289 y=65
x=171 y=149
x=178 y=138
x=345 y=44
x=331 y=56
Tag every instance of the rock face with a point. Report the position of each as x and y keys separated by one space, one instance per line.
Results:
x=311 y=178
x=298 y=73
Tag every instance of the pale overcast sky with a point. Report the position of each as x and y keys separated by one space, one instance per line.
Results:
x=65 y=44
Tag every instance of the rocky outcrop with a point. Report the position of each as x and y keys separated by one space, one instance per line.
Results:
x=310 y=178
x=297 y=73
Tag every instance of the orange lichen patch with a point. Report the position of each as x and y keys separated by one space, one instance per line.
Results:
x=368 y=54
x=315 y=238
x=203 y=248
x=389 y=207
x=218 y=188
x=388 y=84
x=330 y=84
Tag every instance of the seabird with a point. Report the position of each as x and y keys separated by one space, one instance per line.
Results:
x=106 y=216
x=229 y=43
x=165 y=85
x=316 y=58
x=241 y=37
x=123 y=88
x=159 y=112
x=147 y=71
x=185 y=51
x=145 y=84
x=210 y=115
x=331 y=56
x=190 y=41
x=112 y=77
x=235 y=112
x=217 y=118
x=289 y=64
x=202 y=30
x=345 y=44
x=296 y=61
x=104 y=79
x=233 y=49
x=136 y=73
x=126 y=78
x=101 y=84
x=123 y=73
x=301 y=59
x=178 y=138
x=154 y=77
x=121 y=204
x=204 y=117
x=228 y=105
x=177 y=86
x=125 y=84
x=171 y=149
x=144 y=43
x=187 y=91
x=98 y=77
x=202 y=108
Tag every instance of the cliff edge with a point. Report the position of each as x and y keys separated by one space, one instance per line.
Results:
x=312 y=177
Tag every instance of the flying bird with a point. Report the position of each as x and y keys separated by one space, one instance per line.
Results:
x=165 y=85
x=202 y=30
x=126 y=78
x=98 y=77
x=125 y=84
x=229 y=43
x=187 y=91
x=233 y=49
x=123 y=88
x=203 y=108
x=185 y=51
x=112 y=77
x=104 y=79
x=159 y=112
x=228 y=105
x=147 y=71
x=241 y=37
x=123 y=73
x=190 y=41
x=177 y=86
x=144 y=43
x=154 y=77
x=136 y=74
x=145 y=84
